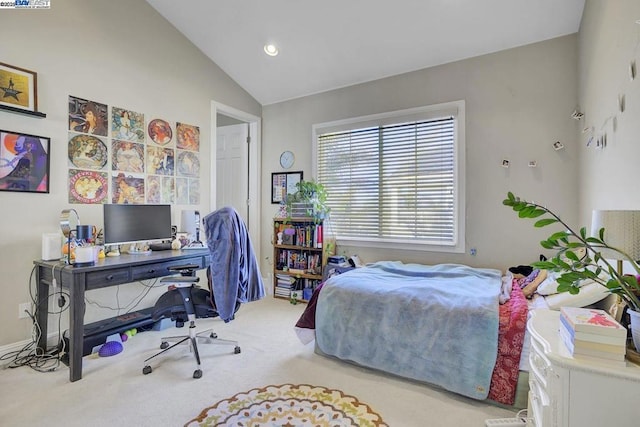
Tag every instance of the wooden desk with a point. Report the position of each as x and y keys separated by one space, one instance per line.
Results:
x=110 y=271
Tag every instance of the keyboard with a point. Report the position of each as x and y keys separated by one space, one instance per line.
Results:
x=160 y=246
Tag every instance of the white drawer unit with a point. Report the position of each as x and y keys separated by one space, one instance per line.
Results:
x=576 y=392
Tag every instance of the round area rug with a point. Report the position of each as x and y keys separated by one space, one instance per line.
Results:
x=289 y=405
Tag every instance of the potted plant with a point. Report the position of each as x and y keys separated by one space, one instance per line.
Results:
x=592 y=265
x=309 y=200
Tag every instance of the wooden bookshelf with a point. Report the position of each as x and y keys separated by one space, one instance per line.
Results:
x=299 y=256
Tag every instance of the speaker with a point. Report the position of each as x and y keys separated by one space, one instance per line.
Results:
x=190 y=224
x=51 y=246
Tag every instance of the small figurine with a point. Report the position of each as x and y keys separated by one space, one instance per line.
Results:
x=280 y=238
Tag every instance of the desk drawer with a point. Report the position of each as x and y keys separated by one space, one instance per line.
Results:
x=150 y=271
x=100 y=279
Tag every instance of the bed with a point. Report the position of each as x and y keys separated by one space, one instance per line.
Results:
x=453 y=326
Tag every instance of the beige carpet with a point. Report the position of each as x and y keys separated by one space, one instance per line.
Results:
x=114 y=392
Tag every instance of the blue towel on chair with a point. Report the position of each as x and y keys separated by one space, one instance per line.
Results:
x=235 y=274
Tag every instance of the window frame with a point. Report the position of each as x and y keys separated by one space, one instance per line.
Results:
x=454 y=108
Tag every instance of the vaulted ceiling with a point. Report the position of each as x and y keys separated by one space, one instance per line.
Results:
x=329 y=44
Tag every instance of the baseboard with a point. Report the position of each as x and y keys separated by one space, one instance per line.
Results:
x=52 y=341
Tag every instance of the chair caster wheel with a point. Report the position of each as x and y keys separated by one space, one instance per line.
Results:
x=236 y=350
x=164 y=345
x=213 y=335
x=147 y=370
x=197 y=373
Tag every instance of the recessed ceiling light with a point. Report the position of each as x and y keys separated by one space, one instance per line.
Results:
x=270 y=49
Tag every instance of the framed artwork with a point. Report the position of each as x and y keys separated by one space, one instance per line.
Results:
x=19 y=87
x=24 y=162
x=88 y=116
x=188 y=137
x=160 y=131
x=283 y=183
x=127 y=125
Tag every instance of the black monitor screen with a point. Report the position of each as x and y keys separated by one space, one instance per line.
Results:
x=136 y=223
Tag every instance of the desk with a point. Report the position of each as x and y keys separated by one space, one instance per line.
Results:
x=110 y=271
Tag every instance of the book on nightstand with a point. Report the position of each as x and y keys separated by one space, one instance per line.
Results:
x=593 y=322
x=591 y=349
x=592 y=333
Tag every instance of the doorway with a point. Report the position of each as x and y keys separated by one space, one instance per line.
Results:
x=236 y=181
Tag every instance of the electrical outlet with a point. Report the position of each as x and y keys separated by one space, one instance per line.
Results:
x=22 y=310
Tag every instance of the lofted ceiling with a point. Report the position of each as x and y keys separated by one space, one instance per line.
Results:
x=330 y=44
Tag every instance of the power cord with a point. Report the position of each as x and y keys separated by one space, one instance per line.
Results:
x=30 y=354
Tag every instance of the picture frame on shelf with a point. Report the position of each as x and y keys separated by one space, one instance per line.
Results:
x=19 y=88
x=283 y=183
x=26 y=160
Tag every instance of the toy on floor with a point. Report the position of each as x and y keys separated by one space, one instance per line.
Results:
x=110 y=348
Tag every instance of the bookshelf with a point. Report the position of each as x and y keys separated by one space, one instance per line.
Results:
x=301 y=247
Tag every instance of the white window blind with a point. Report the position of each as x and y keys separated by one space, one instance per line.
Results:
x=394 y=182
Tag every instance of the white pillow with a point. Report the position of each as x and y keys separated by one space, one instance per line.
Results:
x=590 y=293
x=549 y=285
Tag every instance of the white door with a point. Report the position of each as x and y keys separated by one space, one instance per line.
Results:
x=232 y=168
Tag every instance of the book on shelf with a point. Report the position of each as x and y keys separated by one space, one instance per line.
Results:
x=592 y=321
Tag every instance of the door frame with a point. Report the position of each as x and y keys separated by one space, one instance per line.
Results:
x=254 y=166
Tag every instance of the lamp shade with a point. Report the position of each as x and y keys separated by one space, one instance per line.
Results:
x=621 y=231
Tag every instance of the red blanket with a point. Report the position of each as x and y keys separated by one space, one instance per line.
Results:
x=513 y=321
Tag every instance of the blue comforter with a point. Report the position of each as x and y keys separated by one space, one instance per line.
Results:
x=437 y=324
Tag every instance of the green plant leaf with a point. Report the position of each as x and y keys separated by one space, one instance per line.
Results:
x=571 y=255
x=537 y=212
x=547 y=245
x=543 y=265
x=544 y=222
x=558 y=235
x=518 y=206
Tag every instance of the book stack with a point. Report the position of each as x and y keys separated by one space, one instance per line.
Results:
x=284 y=285
x=593 y=333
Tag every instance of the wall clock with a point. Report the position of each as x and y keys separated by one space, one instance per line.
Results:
x=286 y=159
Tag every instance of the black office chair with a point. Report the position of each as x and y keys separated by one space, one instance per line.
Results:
x=184 y=302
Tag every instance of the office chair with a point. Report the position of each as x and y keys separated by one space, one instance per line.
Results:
x=184 y=302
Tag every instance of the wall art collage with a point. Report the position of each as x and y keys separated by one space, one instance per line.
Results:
x=115 y=156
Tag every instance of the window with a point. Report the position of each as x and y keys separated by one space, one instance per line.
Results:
x=396 y=180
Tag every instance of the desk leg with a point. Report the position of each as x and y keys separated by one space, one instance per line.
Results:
x=76 y=326
x=42 y=309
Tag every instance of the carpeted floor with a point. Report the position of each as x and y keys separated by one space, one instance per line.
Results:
x=114 y=392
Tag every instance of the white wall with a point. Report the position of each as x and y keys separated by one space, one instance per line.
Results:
x=518 y=103
x=609 y=41
x=118 y=52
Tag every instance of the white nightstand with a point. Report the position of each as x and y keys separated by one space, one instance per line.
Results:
x=573 y=392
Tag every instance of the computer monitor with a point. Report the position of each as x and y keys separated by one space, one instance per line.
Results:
x=128 y=224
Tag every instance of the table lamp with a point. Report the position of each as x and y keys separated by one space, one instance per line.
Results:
x=68 y=223
x=621 y=231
